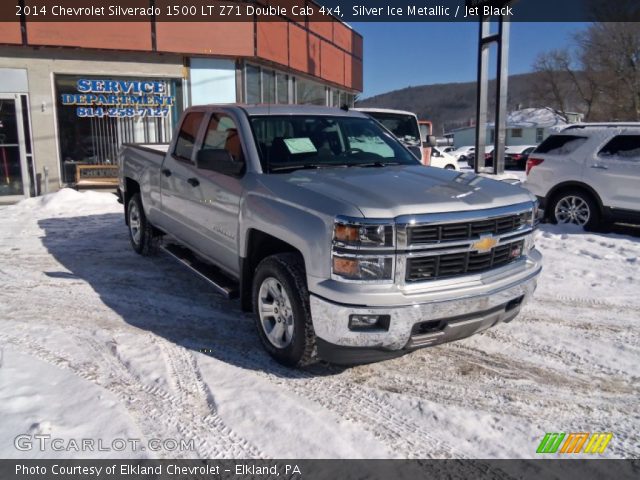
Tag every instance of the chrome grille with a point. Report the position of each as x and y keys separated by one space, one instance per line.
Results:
x=429 y=234
x=454 y=264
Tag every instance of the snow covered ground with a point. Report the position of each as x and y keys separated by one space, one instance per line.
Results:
x=98 y=342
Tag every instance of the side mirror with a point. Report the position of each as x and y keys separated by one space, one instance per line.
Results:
x=218 y=160
x=432 y=141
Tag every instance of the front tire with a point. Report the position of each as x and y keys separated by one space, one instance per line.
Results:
x=142 y=235
x=281 y=310
x=575 y=207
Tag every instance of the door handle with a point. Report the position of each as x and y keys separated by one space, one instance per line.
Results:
x=599 y=167
x=166 y=172
x=194 y=182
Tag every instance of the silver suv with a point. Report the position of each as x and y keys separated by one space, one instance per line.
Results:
x=587 y=174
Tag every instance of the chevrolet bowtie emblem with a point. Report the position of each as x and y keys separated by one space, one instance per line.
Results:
x=485 y=244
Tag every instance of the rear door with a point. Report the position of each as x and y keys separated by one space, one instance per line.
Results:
x=615 y=172
x=177 y=179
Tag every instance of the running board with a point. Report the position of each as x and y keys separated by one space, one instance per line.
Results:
x=220 y=282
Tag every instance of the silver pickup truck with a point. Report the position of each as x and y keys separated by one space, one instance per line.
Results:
x=344 y=246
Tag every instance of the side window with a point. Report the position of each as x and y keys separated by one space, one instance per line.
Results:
x=187 y=136
x=222 y=134
x=623 y=147
x=561 y=144
x=424 y=132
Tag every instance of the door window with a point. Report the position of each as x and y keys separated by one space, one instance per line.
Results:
x=10 y=168
x=187 y=136
x=222 y=134
x=622 y=147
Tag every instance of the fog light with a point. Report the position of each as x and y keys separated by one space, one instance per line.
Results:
x=369 y=322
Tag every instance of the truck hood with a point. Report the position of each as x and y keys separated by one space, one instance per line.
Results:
x=404 y=190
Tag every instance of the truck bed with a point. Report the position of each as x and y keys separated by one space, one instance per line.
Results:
x=143 y=155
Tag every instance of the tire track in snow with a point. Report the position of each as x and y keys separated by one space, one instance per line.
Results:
x=353 y=403
x=498 y=395
x=150 y=406
x=557 y=353
x=590 y=303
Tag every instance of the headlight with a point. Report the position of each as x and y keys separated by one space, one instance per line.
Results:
x=363 y=250
x=349 y=234
x=363 y=268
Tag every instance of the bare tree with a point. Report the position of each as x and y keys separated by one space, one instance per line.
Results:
x=552 y=87
x=612 y=52
x=601 y=74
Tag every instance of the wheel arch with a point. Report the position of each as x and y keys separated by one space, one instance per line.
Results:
x=260 y=245
x=131 y=187
x=573 y=185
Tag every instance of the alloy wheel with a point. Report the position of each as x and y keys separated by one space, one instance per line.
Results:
x=572 y=209
x=276 y=313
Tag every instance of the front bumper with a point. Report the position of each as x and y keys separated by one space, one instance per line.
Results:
x=418 y=325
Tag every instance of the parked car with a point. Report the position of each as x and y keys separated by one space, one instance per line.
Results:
x=588 y=173
x=446 y=149
x=404 y=125
x=488 y=157
x=463 y=153
x=516 y=156
x=441 y=159
x=342 y=244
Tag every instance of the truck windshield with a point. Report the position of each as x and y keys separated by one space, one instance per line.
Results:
x=290 y=142
x=404 y=127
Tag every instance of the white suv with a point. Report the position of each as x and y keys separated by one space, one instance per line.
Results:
x=588 y=173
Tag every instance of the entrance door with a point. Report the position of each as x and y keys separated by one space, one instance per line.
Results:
x=14 y=178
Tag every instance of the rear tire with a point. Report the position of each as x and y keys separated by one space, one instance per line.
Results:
x=449 y=167
x=281 y=310
x=575 y=207
x=142 y=235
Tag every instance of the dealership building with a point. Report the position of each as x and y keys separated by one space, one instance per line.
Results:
x=71 y=93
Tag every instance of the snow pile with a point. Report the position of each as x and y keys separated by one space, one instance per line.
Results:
x=536 y=118
x=68 y=200
x=98 y=342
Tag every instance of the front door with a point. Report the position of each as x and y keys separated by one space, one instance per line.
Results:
x=14 y=178
x=215 y=203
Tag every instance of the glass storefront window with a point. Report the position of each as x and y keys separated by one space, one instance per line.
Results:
x=310 y=93
x=282 y=88
x=264 y=85
x=336 y=98
x=349 y=99
x=268 y=86
x=253 y=83
x=96 y=115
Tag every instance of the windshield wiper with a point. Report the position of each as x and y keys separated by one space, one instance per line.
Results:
x=377 y=164
x=307 y=166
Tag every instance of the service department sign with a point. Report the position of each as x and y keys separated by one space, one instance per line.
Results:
x=120 y=98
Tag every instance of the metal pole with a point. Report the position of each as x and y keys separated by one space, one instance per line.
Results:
x=501 y=103
x=482 y=89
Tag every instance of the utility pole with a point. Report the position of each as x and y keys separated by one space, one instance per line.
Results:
x=486 y=39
